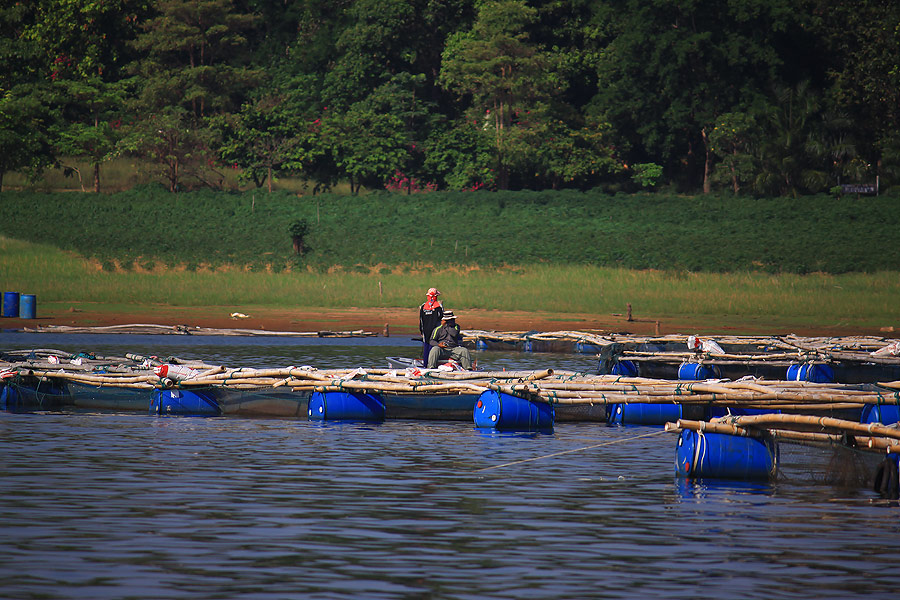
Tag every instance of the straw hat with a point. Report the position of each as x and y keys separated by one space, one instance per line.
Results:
x=448 y=315
x=433 y=292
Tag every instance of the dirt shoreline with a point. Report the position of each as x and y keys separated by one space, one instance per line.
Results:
x=404 y=321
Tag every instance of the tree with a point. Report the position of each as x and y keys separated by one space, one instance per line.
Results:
x=366 y=146
x=194 y=57
x=730 y=141
x=793 y=150
x=507 y=78
x=27 y=131
x=667 y=70
x=180 y=151
x=584 y=156
x=862 y=42
x=92 y=131
x=460 y=157
x=269 y=136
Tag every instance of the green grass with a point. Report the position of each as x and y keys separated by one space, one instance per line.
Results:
x=380 y=231
x=855 y=299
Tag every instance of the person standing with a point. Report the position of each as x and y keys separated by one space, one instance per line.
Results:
x=446 y=342
x=430 y=314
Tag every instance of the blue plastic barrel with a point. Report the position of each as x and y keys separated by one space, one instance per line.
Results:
x=527 y=347
x=815 y=373
x=625 y=368
x=9 y=396
x=504 y=412
x=697 y=372
x=346 y=406
x=886 y=414
x=723 y=456
x=643 y=414
x=586 y=348
x=10 y=304
x=183 y=403
x=27 y=306
x=481 y=344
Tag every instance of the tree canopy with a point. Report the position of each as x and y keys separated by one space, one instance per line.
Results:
x=755 y=97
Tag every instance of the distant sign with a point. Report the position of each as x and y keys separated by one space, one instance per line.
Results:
x=859 y=188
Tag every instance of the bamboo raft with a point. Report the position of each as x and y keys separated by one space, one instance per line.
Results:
x=153 y=329
x=796 y=412
x=562 y=389
x=856 y=359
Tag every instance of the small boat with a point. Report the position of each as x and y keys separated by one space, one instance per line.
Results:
x=402 y=362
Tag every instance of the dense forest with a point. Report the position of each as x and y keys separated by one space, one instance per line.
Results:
x=756 y=97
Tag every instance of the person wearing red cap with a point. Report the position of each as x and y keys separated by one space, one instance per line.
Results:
x=430 y=314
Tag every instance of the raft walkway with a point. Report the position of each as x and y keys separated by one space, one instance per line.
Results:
x=806 y=408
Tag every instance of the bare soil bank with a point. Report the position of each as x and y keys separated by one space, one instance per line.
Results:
x=404 y=321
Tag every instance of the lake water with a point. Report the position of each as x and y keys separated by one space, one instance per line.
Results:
x=107 y=505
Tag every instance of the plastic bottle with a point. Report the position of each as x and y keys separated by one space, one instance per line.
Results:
x=175 y=372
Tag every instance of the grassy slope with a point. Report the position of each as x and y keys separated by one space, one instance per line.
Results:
x=148 y=226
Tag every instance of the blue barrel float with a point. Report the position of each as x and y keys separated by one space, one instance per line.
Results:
x=346 y=406
x=723 y=456
x=814 y=373
x=184 y=403
x=641 y=413
x=10 y=304
x=886 y=414
x=697 y=372
x=27 y=306
x=505 y=412
x=9 y=396
x=625 y=368
x=586 y=348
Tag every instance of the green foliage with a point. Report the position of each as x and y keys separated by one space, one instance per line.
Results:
x=730 y=140
x=461 y=94
x=647 y=175
x=644 y=231
x=27 y=124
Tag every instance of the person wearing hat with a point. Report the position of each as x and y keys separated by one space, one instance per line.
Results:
x=430 y=314
x=446 y=342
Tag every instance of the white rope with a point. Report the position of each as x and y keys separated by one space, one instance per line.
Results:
x=518 y=462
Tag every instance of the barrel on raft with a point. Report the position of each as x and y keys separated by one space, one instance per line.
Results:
x=346 y=406
x=183 y=403
x=505 y=412
x=697 y=372
x=639 y=413
x=722 y=456
x=625 y=368
x=886 y=414
x=814 y=373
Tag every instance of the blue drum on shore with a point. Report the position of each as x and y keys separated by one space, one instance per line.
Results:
x=722 y=456
x=504 y=412
x=638 y=413
x=184 y=403
x=10 y=304
x=346 y=406
x=27 y=306
x=814 y=373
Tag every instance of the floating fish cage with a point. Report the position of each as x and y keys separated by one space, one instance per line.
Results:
x=726 y=428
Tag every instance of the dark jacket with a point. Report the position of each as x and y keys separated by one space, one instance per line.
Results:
x=447 y=333
x=429 y=320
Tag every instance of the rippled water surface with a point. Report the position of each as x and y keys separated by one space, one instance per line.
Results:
x=105 y=505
